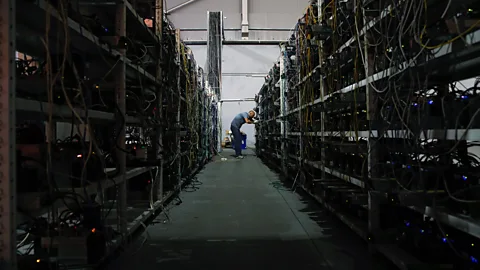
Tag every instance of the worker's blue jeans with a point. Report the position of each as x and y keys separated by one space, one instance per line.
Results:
x=237 y=140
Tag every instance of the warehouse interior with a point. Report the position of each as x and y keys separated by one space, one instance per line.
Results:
x=363 y=151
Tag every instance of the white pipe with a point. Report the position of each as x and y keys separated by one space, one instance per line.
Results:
x=245 y=19
x=180 y=6
x=237 y=100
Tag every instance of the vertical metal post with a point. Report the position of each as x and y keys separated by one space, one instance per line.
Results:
x=214 y=65
x=180 y=52
x=322 y=94
x=300 y=118
x=220 y=47
x=369 y=96
x=8 y=253
x=206 y=127
x=120 y=31
x=374 y=198
x=219 y=125
x=299 y=102
x=283 y=111
x=159 y=130
x=300 y=137
x=205 y=121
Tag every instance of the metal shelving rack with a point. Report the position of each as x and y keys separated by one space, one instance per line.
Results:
x=29 y=18
x=369 y=192
x=7 y=133
x=269 y=131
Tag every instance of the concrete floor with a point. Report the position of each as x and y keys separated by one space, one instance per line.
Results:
x=237 y=216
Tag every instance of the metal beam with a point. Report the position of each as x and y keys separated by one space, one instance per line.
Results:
x=245 y=74
x=92 y=3
x=238 y=100
x=180 y=6
x=205 y=29
x=238 y=29
x=270 y=29
x=178 y=141
x=237 y=42
x=159 y=113
x=8 y=244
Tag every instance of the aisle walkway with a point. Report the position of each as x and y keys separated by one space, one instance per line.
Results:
x=239 y=216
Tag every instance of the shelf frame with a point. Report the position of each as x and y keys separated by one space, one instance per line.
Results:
x=123 y=71
x=379 y=194
x=8 y=252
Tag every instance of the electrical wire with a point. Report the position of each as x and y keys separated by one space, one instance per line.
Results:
x=382 y=81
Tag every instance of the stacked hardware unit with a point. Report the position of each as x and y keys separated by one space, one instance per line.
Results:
x=378 y=108
x=105 y=116
x=268 y=131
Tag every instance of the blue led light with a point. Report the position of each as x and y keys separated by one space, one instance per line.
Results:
x=407 y=224
x=409 y=167
x=473 y=259
x=464 y=178
x=415 y=104
x=430 y=102
x=422 y=231
x=464 y=97
x=444 y=240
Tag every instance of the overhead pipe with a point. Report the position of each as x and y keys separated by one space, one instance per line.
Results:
x=205 y=29
x=238 y=29
x=180 y=6
x=238 y=100
x=236 y=42
x=245 y=74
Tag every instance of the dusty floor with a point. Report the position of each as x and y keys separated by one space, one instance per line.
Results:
x=237 y=215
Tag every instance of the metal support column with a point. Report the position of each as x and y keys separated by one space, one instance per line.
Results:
x=8 y=253
x=120 y=31
x=177 y=7
x=283 y=111
x=322 y=94
x=159 y=90
x=214 y=65
x=374 y=198
x=180 y=52
x=300 y=118
x=219 y=126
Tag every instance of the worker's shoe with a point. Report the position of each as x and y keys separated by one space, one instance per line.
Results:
x=239 y=157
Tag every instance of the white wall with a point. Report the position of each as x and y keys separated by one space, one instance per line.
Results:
x=268 y=20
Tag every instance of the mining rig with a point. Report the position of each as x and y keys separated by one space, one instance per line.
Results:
x=372 y=110
x=104 y=116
